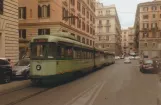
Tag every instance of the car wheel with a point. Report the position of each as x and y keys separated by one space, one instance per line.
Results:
x=7 y=79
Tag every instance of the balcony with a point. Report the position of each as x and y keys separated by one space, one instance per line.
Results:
x=107 y=25
x=99 y=25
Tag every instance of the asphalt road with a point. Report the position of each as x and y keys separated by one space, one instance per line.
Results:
x=118 y=84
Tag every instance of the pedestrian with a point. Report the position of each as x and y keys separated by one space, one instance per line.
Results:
x=9 y=60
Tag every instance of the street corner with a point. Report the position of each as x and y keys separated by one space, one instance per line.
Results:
x=13 y=86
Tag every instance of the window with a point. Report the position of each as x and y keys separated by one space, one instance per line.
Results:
x=88 y=14
x=107 y=29
x=78 y=23
x=154 y=8
x=1 y=6
x=22 y=12
x=87 y=28
x=145 y=9
x=154 y=44
x=72 y=19
x=78 y=6
x=145 y=25
x=65 y=14
x=83 y=26
x=153 y=15
x=72 y=2
x=22 y=33
x=87 y=41
x=100 y=22
x=107 y=12
x=43 y=31
x=145 y=16
x=83 y=10
x=153 y=25
x=83 y=40
x=79 y=38
x=145 y=35
x=44 y=11
x=91 y=42
x=91 y=30
x=146 y=44
x=91 y=17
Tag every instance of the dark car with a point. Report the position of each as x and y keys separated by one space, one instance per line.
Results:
x=148 y=66
x=21 y=69
x=5 y=71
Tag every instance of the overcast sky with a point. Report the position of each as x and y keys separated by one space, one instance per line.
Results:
x=126 y=10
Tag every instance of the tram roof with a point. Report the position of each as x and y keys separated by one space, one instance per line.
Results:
x=56 y=38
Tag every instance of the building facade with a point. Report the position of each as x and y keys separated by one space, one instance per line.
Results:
x=127 y=41
x=108 y=29
x=148 y=29
x=124 y=42
x=44 y=17
x=9 y=43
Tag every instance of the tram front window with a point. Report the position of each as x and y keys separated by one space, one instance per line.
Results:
x=43 y=50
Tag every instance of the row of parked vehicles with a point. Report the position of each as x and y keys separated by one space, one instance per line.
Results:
x=130 y=57
x=150 y=65
x=20 y=69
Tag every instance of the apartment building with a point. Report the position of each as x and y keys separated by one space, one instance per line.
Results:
x=108 y=29
x=44 y=17
x=127 y=41
x=9 y=43
x=148 y=28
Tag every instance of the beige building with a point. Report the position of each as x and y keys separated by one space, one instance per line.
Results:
x=124 y=42
x=39 y=17
x=148 y=28
x=127 y=41
x=9 y=29
x=108 y=28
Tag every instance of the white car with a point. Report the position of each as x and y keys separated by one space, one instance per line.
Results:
x=131 y=57
x=127 y=60
x=117 y=57
x=137 y=57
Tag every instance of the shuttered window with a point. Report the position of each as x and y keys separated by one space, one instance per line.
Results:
x=44 y=11
x=22 y=33
x=22 y=12
x=43 y=31
x=1 y=6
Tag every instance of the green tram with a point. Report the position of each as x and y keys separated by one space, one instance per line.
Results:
x=61 y=53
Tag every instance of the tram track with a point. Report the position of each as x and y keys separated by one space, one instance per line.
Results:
x=17 y=96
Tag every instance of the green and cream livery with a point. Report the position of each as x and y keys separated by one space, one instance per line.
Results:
x=61 y=53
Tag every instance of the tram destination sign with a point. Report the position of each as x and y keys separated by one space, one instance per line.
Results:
x=40 y=40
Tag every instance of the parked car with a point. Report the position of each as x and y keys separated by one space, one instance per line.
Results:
x=131 y=57
x=117 y=57
x=21 y=69
x=137 y=57
x=5 y=71
x=127 y=61
x=149 y=66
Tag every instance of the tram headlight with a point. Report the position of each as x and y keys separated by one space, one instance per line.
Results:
x=38 y=67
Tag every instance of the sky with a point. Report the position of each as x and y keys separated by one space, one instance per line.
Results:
x=126 y=10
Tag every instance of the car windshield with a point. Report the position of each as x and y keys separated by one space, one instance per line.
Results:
x=23 y=63
x=148 y=62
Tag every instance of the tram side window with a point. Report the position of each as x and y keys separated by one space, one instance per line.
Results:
x=60 y=52
x=69 y=52
x=77 y=53
x=52 y=50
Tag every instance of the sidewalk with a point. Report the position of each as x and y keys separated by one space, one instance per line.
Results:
x=15 y=85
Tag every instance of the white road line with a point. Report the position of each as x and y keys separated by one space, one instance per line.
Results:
x=82 y=93
x=97 y=93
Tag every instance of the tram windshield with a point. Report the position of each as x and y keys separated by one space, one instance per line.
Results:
x=43 y=51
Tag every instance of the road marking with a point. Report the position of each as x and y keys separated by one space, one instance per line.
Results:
x=97 y=93
x=87 y=95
